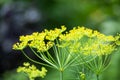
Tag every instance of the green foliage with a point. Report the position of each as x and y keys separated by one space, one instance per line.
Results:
x=13 y=75
x=5 y=1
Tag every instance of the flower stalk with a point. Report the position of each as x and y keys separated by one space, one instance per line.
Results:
x=97 y=77
x=61 y=75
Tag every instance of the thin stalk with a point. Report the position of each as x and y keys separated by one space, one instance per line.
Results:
x=48 y=61
x=57 y=55
x=34 y=60
x=51 y=58
x=39 y=55
x=36 y=53
x=97 y=77
x=68 y=64
x=61 y=75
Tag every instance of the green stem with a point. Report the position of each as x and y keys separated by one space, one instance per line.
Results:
x=61 y=75
x=97 y=77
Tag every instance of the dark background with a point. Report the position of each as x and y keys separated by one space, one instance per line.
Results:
x=21 y=17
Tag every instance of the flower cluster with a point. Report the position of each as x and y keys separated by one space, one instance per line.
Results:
x=40 y=41
x=32 y=71
x=75 y=47
x=87 y=41
x=79 y=39
x=78 y=32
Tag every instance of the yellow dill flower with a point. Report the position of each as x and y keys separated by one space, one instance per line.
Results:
x=20 y=69
x=26 y=38
x=49 y=44
x=82 y=76
x=32 y=71
x=74 y=34
x=105 y=49
x=97 y=47
x=63 y=28
x=23 y=42
x=88 y=32
x=38 y=36
x=79 y=39
x=87 y=41
x=95 y=33
x=74 y=48
x=38 y=40
x=41 y=36
x=26 y=64
x=43 y=72
x=110 y=38
x=39 y=45
x=53 y=34
x=20 y=46
x=105 y=38
x=32 y=67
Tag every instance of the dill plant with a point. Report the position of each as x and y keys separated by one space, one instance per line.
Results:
x=79 y=46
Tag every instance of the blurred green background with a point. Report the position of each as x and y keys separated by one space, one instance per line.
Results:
x=20 y=17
